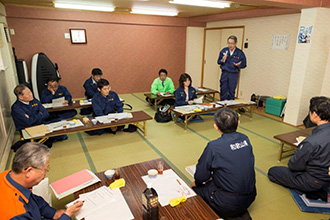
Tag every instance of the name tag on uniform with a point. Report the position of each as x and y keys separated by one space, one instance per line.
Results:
x=110 y=99
x=236 y=57
x=36 y=104
x=60 y=94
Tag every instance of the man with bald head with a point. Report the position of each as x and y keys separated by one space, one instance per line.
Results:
x=30 y=166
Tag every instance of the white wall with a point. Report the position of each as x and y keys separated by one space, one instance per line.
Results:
x=268 y=71
x=194 y=53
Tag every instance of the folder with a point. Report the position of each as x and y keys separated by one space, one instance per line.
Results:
x=73 y=183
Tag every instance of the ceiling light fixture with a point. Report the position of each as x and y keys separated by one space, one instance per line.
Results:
x=201 y=3
x=83 y=7
x=154 y=12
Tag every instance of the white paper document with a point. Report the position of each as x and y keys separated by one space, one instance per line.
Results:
x=228 y=102
x=85 y=102
x=169 y=186
x=120 y=116
x=59 y=102
x=47 y=105
x=199 y=100
x=202 y=90
x=56 y=126
x=165 y=94
x=103 y=203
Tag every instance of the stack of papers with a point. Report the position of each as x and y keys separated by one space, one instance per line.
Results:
x=103 y=203
x=202 y=90
x=228 y=102
x=56 y=126
x=169 y=186
x=73 y=183
x=299 y=140
x=105 y=119
x=199 y=100
x=59 y=102
x=191 y=169
x=164 y=94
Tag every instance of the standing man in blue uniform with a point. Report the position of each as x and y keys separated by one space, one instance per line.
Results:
x=104 y=102
x=54 y=91
x=231 y=61
x=90 y=86
x=30 y=166
x=225 y=176
x=308 y=168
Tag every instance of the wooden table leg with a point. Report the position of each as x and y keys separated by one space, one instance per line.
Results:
x=185 y=122
x=145 y=128
x=280 y=152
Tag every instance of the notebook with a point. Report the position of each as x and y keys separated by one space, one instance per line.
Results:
x=74 y=182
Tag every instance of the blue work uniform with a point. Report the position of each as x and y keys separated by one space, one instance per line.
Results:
x=180 y=96
x=90 y=88
x=307 y=169
x=229 y=161
x=62 y=91
x=229 y=74
x=37 y=114
x=21 y=203
x=105 y=105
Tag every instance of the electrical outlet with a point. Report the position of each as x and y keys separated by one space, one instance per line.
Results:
x=12 y=31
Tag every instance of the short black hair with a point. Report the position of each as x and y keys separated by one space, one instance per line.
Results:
x=226 y=119
x=19 y=89
x=233 y=37
x=97 y=71
x=162 y=71
x=102 y=82
x=53 y=79
x=183 y=78
x=321 y=106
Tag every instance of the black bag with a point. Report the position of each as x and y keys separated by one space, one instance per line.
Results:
x=162 y=117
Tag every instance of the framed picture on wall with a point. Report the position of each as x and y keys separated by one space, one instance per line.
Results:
x=78 y=36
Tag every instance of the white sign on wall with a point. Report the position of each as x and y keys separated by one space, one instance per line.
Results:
x=280 y=42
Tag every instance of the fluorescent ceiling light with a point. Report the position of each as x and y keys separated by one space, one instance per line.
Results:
x=83 y=7
x=201 y=3
x=154 y=12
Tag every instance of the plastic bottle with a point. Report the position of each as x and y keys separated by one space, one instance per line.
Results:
x=150 y=203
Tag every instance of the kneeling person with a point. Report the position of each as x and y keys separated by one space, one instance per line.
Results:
x=225 y=176
x=104 y=102
x=54 y=91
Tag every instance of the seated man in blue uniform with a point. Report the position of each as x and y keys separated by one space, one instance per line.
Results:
x=307 y=169
x=231 y=61
x=185 y=94
x=30 y=166
x=28 y=111
x=104 y=102
x=225 y=176
x=54 y=91
x=90 y=86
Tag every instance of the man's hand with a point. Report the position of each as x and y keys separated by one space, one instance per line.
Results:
x=74 y=208
x=26 y=116
x=193 y=184
x=224 y=58
x=158 y=93
x=190 y=102
x=51 y=90
x=237 y=64
x=113 y=129
x=65 y=102
x=167 y=92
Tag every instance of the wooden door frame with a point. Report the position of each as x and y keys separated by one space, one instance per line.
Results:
x=203 y=57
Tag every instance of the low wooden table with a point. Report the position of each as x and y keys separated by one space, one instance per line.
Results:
x=193 y=208
x=189 y=116
x=290 y=139
x=155 y=100
x=138 y=117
